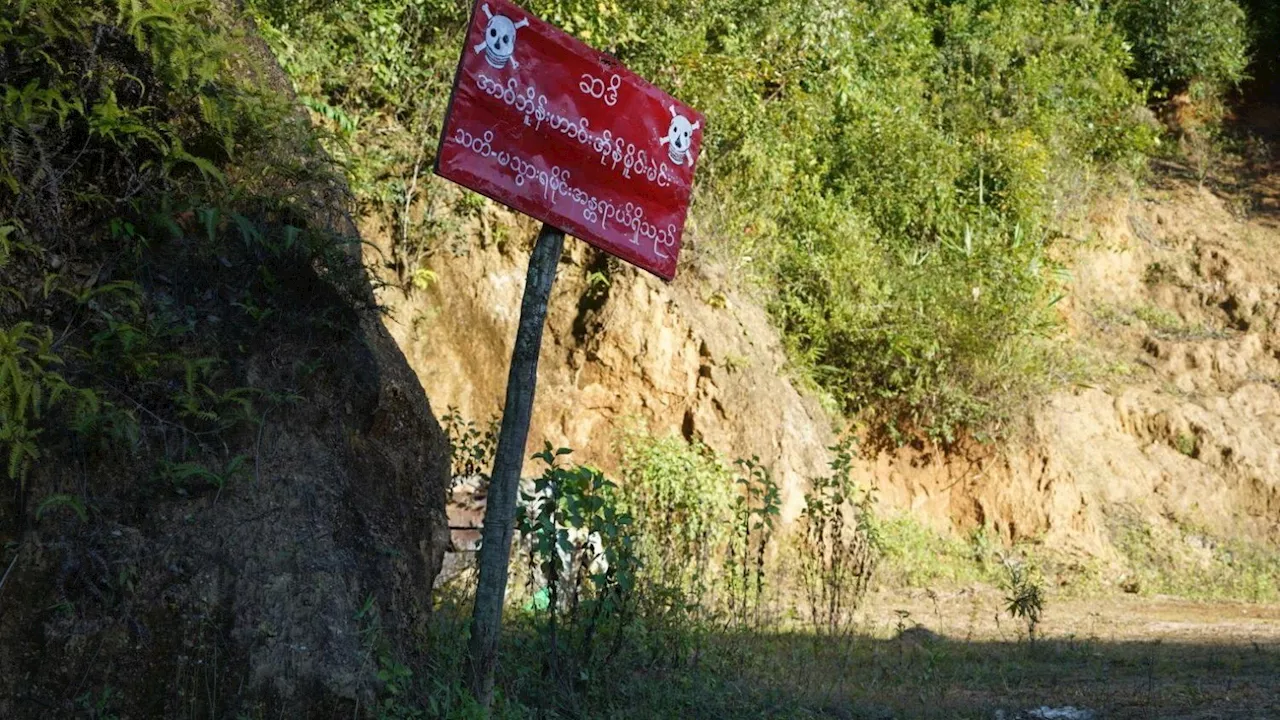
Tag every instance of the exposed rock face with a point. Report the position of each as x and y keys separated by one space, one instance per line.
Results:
x=1180 y=298
x=1183 y=296
x=636 y=349
x=1176 y=302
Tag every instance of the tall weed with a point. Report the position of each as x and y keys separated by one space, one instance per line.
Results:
x=841 y=549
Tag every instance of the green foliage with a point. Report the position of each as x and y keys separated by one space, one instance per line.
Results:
x=681 y=497
x=155 y=231
x=132 y=276
x=99 y=706
x=712 y=664
x=917 y=556
x=376 y=75
x=890 y=172
x=186 y=477
x=163 y=261
x=1160 y=320
x=841 y=548
x=755 y=512
x=921 y=288
x=1264 y=24
x=1178 y=44
x=71 y=502
x=582 y=550
x=1188 y=562
x=1023 y=589
x=64 y=87
x=395 y=679
x=471 y=449
x=30 y=389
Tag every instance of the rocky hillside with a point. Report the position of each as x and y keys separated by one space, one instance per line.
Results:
x=1172 y=312
x=622 y=350
x=1174 y=306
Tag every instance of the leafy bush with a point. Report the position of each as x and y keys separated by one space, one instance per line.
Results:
x=1264 y=22
x=755 y=512
x=1023 y=588
x=376 y=76
x=915 y=555
x=582 y=550
x=471 y=449
x=681 y=496
x=1180 y=43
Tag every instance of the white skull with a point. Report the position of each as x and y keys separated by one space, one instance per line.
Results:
x=679 y=138
x=499 y=39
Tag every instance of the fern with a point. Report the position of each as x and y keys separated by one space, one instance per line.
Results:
x=25 y=359
x=53 y=502
x=178 y=155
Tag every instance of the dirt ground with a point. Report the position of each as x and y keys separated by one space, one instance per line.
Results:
x=957 y=654
x=978 y=614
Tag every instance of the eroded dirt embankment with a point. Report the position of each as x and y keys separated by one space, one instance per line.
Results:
x=696 y=357
x=1174 y=303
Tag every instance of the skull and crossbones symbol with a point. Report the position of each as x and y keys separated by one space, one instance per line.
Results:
x=499 y=39
x=679 y=138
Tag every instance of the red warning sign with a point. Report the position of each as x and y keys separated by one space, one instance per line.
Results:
x=554 y=129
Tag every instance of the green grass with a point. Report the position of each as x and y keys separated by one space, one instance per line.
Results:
x=1187 y=562
x=918 y=556
x=1175 y=560
x=1161 y=321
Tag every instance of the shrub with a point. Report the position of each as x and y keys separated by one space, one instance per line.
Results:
x=582 y=550
x=1023 y=589
x=680 y=495
x=471 y=449
x=915 y=555
x=1264 y=22
x=755 y=510
x=1180 y=43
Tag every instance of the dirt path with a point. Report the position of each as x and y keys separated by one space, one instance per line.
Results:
x=1119 y=656
x=978 y=614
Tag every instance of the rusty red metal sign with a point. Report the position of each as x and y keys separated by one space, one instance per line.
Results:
x=550 y=127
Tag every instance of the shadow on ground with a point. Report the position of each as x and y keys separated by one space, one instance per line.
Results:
x=914 y=674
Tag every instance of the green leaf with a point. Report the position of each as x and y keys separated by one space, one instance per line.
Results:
x=54 y=502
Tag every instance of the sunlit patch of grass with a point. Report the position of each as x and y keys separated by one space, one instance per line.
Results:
x=916 y=555
x=1187 y=562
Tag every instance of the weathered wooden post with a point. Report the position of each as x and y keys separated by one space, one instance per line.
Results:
x=551 y=128
x=504 y=485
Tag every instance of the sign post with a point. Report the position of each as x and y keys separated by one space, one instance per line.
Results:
x=500 y=508
x=547 y=126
